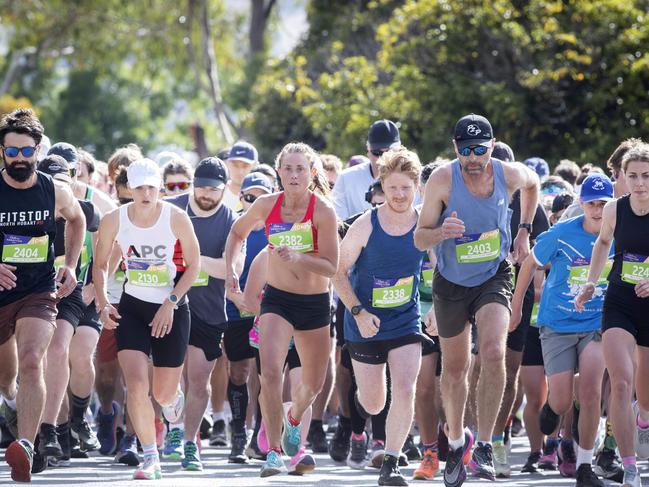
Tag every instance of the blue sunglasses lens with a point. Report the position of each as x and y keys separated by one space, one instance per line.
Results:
x=478 y=150
x=14 y=151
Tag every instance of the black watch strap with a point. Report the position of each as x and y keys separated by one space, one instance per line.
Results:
x=526 y=226
x=356 y=309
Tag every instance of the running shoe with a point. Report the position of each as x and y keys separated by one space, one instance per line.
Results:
x=428 y=467
x=86 y=436
x=237 y=453
x=410 y=449
x=548 y=420
x=11 y=418
x=390 y=474
x=501 y=462
x=377 y=452
x=127 y=451
x=191 y=458
x=549 y=459
x=517 y=427
x=482 y=462
x=64 y=437
x=641 y=436
x=273 y=465
x=291 y=437
x=6 y=438
x=48 y=444
x=253 y=451
x=218 y=436
x=317 y=438
x=531 y=465
x=357 y=457
x=301 y=463
x=631 y=477
x=455 y=471
x=608 y=466
x=20 y=456
x=150 y=469
x=107 y=430
x=173 y=449
x=174 y=411
x=586 y=477
x=568 y=459
x=340 y=444
x=206 y=426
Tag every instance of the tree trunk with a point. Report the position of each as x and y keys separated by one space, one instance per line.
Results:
x=260 y=12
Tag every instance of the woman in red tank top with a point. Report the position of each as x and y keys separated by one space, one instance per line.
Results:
x=301 y=228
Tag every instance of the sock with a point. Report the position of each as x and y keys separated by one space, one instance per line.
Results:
x=643 y=424
x=180 y=426
x=626 y=461
x=609 y=439
x=218 y=416
x=26 y=441
x=292 y=421
x=584 y=456
x=11 y=403
x=392 y=453
x=497 y=438
x=238 y=399
x=79 y=406
x=455 y=444
x=276 y=450
x=430 y=446
x=358 y=437
x=150 y=450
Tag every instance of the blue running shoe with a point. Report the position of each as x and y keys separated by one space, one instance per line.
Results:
x=291 y=437
x=173 y=449
x=106 y=430
x=273 y=465
x=127 y=451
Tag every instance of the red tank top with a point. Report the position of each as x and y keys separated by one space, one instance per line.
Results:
x=275 y=216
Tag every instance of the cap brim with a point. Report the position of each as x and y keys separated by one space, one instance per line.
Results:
x=209 y=183
x=596 y=198
x=463 y=144
x=259 y=186
x=244 y=159
x=377 y=146
x=154 y=181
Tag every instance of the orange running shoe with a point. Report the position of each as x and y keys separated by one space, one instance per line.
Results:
x=428 y=467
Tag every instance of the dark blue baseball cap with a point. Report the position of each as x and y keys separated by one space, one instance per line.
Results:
x=211 y=172
x=243 y=151
x=539 y=166
x=596 y=187
x=256 y=180
x=67 y=152
x=383 y=134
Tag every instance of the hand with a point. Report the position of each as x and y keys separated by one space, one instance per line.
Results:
x=452 y=227
x=516 y=316
x=7 y=277
x=109 y=316
x=585 y=293
x=642 y=289
x=521 y=246
x=238 y=299
x=232 y=283
x=88 y=293
x=368 y=324
x=430 y=321
x=163 y=320
x=66 y=281
x=287 y=255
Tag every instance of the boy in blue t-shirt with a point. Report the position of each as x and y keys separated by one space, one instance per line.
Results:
x=571 y=341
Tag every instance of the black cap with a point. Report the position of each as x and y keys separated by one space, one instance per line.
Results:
x=67 y=152
x=211 y=172
x=503 y=152
x=55 y=166
x=383 y=134
x=472 y=130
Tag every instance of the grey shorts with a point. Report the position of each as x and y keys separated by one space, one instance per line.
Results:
x=561 y=350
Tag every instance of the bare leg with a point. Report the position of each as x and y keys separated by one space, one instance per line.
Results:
x=57 y=371
x=314 y=348
x=198 y=372
x=536 y=392
x=427 y=417
x=456 y=358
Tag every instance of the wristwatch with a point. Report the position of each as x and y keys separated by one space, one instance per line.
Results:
x=173 y=299
x=356 y=310
x=526 y=226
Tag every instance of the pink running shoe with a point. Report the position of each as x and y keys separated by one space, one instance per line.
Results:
x=262 y=439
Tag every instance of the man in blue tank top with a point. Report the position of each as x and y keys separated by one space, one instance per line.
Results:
x=465 y=217
x=29 y=286
x=378 y=282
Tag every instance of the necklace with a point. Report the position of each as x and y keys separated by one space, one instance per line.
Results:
x=640 y=211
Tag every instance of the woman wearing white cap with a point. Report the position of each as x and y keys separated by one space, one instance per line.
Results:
x=162 y=261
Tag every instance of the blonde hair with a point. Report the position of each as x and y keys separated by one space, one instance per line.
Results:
x=319 y=183
x=638 y=153
x=399 y=160
x=331 y=163
x=123 y=157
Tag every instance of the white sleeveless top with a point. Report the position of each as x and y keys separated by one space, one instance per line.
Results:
x=148 y=252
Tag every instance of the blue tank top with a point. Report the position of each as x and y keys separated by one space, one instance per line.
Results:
x=385 y=279
x=473 y=259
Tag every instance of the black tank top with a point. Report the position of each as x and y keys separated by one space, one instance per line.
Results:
x=631 y=235
x=27 y=233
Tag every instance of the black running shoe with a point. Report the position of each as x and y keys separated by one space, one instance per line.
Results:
x=340 y=444
x=586 y=477
x=410 y=449
x=608 y=466
x=87 y=437
x=482 y=461
x=548 y=420
x=454 y=471
x=317 y=438
x=390 y=474
x=48 y=445
x=238 y=452
x=218 y=436
x=531 y=463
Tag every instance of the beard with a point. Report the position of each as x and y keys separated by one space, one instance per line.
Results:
x=207 y=204
x=21 y=171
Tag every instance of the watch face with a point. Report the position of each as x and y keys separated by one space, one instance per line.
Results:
x=173 y=298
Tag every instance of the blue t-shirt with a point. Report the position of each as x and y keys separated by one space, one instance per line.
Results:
x=567 y=247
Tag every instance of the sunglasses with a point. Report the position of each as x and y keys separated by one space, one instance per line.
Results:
x=377 y=152
x=478 y=150
x=182 y=186
x=124 y=201
x=14 y=151
x=248 y=198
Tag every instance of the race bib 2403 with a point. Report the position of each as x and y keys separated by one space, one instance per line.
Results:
x=390 y=293
x=635 y=267
x=295 y=236
x=22 y=249
x=478 y=247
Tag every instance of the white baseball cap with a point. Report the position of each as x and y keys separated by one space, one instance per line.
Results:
x=143 y=172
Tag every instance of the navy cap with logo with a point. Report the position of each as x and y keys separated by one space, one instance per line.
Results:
x=243 y=151
x=596 y=187
x=472 y=130
x=256 y=180
x=55 y=166
x=383 y=134
x=211 y=172
x=67 y=152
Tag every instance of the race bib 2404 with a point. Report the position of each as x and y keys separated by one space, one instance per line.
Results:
x=22 y=249
x=478 y=247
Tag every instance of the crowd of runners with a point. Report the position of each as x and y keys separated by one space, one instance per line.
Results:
x=414 y=310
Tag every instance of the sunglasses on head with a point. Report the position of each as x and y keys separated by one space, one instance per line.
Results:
x=248 y=198
x=14 y=151
x=182 y=186
x=478 y=150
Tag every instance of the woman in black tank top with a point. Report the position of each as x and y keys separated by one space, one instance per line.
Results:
x=625 y=318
